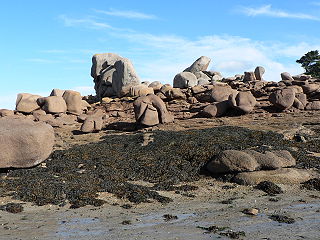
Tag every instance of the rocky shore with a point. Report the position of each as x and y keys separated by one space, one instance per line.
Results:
x=136 y=144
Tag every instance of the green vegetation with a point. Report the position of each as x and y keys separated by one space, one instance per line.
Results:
x=311 y=63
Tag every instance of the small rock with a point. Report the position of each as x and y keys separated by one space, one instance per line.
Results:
x=251 y=211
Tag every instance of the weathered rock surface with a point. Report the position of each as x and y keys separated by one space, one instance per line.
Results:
x=286 y=76
x=249 y=76
x=150 y=110
x=216 y=109
x=113 y=75
x=201 y=64
x=140 y=90
x=53 y=104
x=222 y=92
x=6 y=112
x=57 y=92
x=280 y=176
x=258 y=73
x=74 y=101
x=27 y=103
x=24 y=143
x=185 y=80
x=243 y=101
x=230 y=161
x=314 y=105
x=282 y=98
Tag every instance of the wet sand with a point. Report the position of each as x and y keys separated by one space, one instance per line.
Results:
x=146 y=221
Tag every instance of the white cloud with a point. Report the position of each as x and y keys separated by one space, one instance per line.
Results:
x=85 y=90
x=8 y=101
x=84 y=22
x=267 y=10
x=230 y=55
x=127 y=14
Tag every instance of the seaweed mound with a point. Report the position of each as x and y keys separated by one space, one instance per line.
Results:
x=77 y=175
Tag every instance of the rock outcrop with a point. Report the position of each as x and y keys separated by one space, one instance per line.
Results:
x=113 y=75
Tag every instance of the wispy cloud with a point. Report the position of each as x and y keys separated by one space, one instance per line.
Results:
x=315 y=3
x=84 y=22
x=41 y=60
x=85 y=90
x=230 y=55
x=267 y=10
x=126 y=14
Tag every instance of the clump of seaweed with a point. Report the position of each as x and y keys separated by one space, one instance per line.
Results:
x=77 y=175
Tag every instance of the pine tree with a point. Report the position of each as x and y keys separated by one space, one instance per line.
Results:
x=311 y=63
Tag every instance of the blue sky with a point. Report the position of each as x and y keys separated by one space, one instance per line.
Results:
x=49 y=44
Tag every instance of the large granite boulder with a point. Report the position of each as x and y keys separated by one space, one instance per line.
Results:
x=243 y=101
x=57 y=92
x=53 y=104
x=73 y=100
x=185 y=80
x=286 y=76
x=249 y=76
x=258 y=73
x=27 y=102
x=230 y=161
x=222 y=92
x=113 y=75
x=282 y=98
x=24 y=143
x=150 y=110
x=201 y=64
x=217 y=109
x=93 y=121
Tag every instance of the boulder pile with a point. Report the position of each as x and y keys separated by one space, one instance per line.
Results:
x=195 y=92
